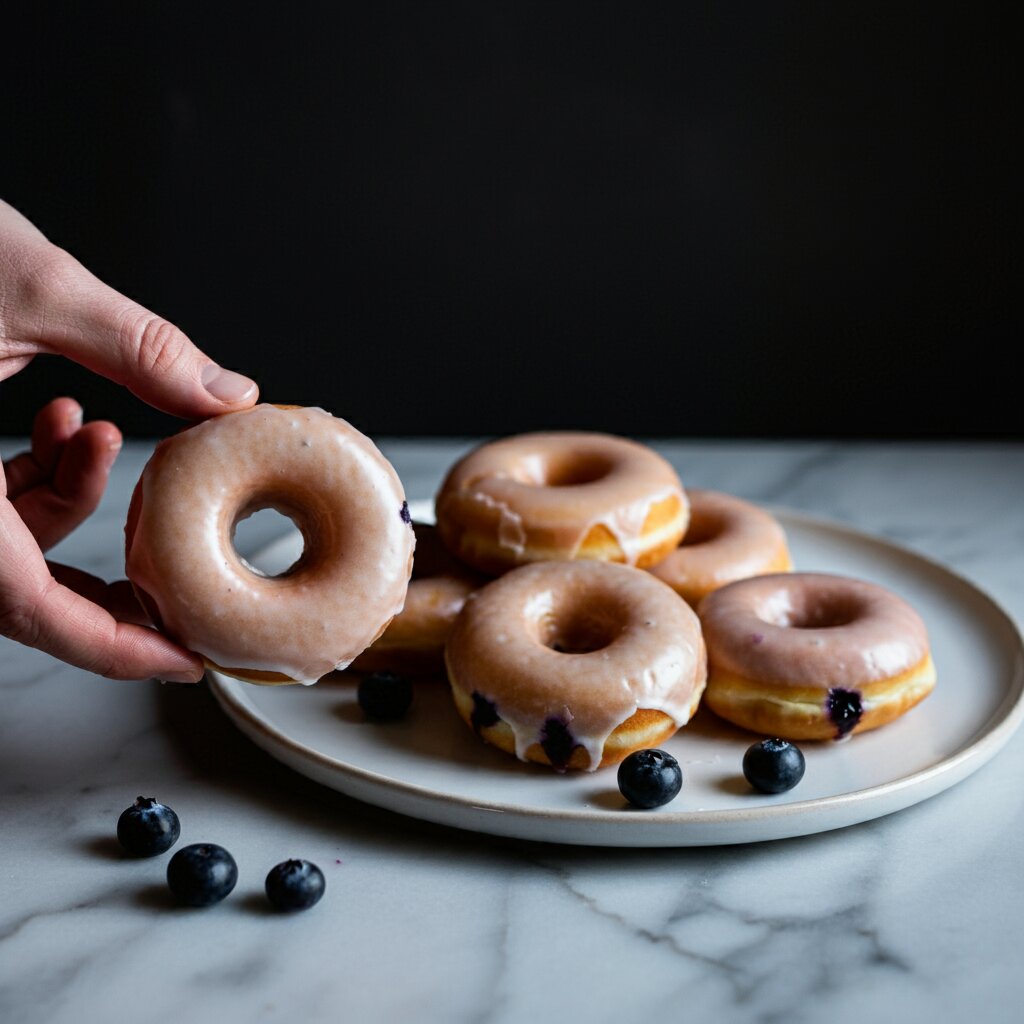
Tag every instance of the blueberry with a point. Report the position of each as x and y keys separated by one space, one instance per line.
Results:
x=773 y=766
x=650 y=778
x=201 y=874
x=385 y=696
x=295 y=885
x=148 y=827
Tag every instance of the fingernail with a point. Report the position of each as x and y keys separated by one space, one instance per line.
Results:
x=112 y=452
x=181 y=677
x=226 y=385
x=75 y=418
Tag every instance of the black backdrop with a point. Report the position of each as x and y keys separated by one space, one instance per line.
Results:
x=760 y=219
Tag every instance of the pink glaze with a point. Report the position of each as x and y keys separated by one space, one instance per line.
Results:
x=342 y=494
x=811 y=629
x=638 y=646
x=727 y=539
x=537 y=496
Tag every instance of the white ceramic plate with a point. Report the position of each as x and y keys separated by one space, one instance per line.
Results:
x=431 y=766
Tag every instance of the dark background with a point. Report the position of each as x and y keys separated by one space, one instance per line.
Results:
x=746 y=219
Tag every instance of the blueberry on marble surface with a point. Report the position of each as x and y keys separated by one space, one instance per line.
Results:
x=201 y=874
x=295 y=885
x=384 y=696
x=148 y=827
x=773 y=765
x=650 y=778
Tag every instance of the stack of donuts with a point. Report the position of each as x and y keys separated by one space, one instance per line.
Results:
x=581 y=602
x=616 y=595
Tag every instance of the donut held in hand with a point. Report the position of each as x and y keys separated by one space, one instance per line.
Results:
x=813 y=656
x=341 y=493
x=576 y=664
x=557 y=496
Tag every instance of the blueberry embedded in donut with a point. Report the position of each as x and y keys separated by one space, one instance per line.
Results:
x=837 y=656
x=591 y=636
x=844 y=709
x=405 y=514
x=557 y=743
x=484 y=714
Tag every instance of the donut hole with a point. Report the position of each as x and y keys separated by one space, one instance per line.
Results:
x=582 y=634
x=577 y=628
x=702 y=530
x=252 y=530
x=571 y=469
x=822 y=610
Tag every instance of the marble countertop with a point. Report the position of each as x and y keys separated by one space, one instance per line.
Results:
x=918 y=916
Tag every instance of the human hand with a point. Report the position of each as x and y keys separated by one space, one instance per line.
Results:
x=49 y=303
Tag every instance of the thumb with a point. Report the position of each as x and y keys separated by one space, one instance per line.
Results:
x=94 y=325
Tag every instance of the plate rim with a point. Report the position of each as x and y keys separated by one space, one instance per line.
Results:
x=977 y=750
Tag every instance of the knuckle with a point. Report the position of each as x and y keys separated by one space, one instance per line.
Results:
x=65 y=509
x=19 y=622
x=43 y=278
x=101 y=663
x=159 y=348
x=50 y=271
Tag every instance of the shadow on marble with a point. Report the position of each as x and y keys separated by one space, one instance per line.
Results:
x=209 y=746
x=106 y=848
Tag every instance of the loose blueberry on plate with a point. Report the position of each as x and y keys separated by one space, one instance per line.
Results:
x=384 y=696
x=773 y=766
x=650 y=778
x=295 y=885
x=147 y=828
x=201 y=874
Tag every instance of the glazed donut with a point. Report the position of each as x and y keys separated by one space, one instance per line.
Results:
x=338 y=489
x=810 y=656
x=575 y=664
x=540 y=497
x=414 y=642
x=727 y=539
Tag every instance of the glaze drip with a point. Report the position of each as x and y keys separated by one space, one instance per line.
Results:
x=649 y=656
x=537 y=497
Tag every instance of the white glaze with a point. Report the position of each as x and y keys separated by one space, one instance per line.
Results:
x=727 y=539
x=505 y=500
x=811 y=629
x=308 y=464
x=651 y=654
x=754 y=931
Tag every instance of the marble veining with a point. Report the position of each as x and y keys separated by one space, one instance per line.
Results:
x=915 y=917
